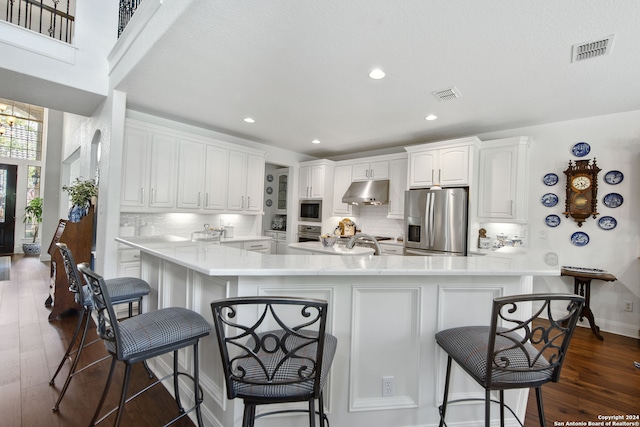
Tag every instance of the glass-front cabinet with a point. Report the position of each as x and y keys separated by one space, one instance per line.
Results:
x=282 y=193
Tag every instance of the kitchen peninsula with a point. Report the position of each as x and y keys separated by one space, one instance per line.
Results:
x=385 y=312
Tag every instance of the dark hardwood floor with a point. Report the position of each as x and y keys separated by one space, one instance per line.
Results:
x=31 y=348
x=598 y=377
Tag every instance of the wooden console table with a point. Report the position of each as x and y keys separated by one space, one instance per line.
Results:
x=582 y=286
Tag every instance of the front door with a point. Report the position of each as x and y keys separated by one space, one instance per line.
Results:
x=8 y=177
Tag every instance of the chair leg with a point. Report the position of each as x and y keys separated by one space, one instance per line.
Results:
x=312 y=413
x=196 y=384
x=501 y=408
x=445 y=398
x=247 y=418
x=321 y=409
x=123 y=396
x=81 y=319
x=487 y=408
x=543 y=422
x=105 y=391
x=86 y=316
x=176 y=385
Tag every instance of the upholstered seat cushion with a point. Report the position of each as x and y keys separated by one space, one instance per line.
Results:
x=287 y=383
x=468 y=346
x=157 y=329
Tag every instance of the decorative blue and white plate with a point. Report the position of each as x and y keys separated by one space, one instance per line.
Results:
x=549 y=200
x=581 y=149
x=612 y=200
x=269 y=202
x=579 y=238
x=269 y=190
x=552 y=220
x=607 y=223
x=550 y=179
x=613 y=177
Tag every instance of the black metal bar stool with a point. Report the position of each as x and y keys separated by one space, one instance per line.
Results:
x=516 y=351
x=282 y=356
x=142 y=337
x=123 y=290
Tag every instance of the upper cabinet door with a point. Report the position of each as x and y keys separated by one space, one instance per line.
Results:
x=503 y=180
x=317 y=182
x=216 y=178
x=236 y=197
x=255 y=182
x=453 y=168
x=372 y=170
x=191 y=165
x=397 y=187
x=135 y=168
x=422 y=166
x=162 y=182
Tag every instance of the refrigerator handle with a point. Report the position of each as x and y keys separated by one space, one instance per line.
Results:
x=430 y=200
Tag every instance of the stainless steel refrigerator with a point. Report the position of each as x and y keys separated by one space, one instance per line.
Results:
x=435 y=222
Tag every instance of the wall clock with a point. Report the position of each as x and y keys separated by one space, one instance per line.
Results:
x=582 y=190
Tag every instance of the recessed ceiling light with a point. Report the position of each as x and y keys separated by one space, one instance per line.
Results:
x=377 y=74
x=431 y=117
x=249 y=120
x=315 y=141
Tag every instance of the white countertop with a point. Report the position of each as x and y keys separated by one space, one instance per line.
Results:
x=221 y=260
x=333 y=250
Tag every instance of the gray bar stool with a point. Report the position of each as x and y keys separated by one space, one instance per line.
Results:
x=142 y=337
x=274 y=350
x=516 y=351
x=123 y=290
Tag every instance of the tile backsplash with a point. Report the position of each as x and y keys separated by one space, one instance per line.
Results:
x=373 y=220
x=183 y=224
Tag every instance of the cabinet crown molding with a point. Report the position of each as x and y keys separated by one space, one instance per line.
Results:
x=470 y=140
x=519 y=140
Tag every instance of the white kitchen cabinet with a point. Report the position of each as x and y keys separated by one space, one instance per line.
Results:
x=191 y=166
x=370 y=171
x=245 y=185
x=446 y=163
x=202 y=176
x=397 y=187
x=503 y=180
x=341 y=181
x=129 y=263
x=147 y=157
x=312 y=179
x=278 y=243
x=391 y=249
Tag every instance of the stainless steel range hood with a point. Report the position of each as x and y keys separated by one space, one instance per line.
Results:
x=367 y=193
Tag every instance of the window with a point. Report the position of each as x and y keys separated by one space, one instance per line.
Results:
x=20 y=130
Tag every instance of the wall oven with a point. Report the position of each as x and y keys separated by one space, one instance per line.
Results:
x=308 y=233
x=310 y=211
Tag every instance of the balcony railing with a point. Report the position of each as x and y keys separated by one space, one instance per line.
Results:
x=127 y=9
x=46 y=17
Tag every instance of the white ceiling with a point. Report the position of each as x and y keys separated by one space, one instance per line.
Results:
x=300 y=69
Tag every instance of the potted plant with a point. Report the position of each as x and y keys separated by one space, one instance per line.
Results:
x=82 y=195
x=33 y=215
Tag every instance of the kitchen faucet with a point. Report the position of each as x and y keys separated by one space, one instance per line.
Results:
x=352 y=241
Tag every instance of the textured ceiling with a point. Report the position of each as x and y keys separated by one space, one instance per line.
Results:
x=300 y=69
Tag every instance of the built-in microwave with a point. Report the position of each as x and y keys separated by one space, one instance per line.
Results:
x=310 y=210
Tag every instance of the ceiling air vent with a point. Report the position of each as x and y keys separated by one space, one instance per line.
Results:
x=592 y=49
x=447 y=94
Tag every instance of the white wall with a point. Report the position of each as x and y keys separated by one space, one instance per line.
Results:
x=615 y=143
x=48 y=72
